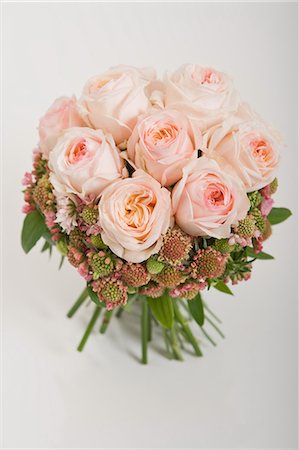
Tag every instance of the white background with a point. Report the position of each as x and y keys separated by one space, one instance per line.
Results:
x=243 y=393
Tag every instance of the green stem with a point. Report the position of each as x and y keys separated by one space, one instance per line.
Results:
x=214 y=326
x=208 y=337
x=167 y=345
x=174 y=344
x=78 y=303
x=149 y=335
x=144 y=330
x=89 y=328
x=106 y=321
x=191 y=338
x=211 y=312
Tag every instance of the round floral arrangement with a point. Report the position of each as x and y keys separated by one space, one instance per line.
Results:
x=154 y=191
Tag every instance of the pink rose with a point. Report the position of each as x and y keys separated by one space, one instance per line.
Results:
x=61 y=115
x=134 y=214
x=249 y=146
x=112 y=101
x=162 y=143
x=207 y=201
x=84 y=162
x=201 y=92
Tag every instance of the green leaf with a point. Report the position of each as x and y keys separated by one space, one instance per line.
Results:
x=33 y=229
x=278 y=215
x=93 y=296
x=222 y=287
x=261 y=255
x=46 y=246
x=162 y=308
x=196 y=309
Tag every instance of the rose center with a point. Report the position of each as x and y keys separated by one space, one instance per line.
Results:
x=138 y=208
x=261 y=149
x=206 y=76
x=76 y=152
x=162 y=136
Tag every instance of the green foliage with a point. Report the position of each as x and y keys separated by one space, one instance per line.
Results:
x=278 y=215
x=196 y=309
x=162 y=309
x=93 y=296
x=34 y=228
x=261 y=255
x=222 y=287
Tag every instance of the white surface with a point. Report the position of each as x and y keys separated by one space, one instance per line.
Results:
x=244 y=392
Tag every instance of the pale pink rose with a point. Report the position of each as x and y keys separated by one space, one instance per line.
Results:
x=249 y=146
x=83 y=162
x=134 y=214
x=207 y=201
x=62 y=114
x=201 y=92
x=113 y=101
x=162 y=143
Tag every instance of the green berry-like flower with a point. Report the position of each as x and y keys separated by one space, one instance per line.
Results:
x=246 y=227
x=152 y=290
x=101 y=264
x=112 y=291
x=43 y=195
x=259 y=220
x=134 y=274
x=274 y=186
x=170 y=277
x=97 y=241
x=90 y=215
x=154 y=266
x=208 y=263
x=223 y=246
x=62 y=246
x=175 y=247
x=255 y=199
x=77 y=238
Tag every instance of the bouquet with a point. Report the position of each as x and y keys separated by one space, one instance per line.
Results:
x=154 y=191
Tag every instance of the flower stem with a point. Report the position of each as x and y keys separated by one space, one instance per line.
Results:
x=144 y=330
x=167 y=343
x=149 y=333
x=106 y=321
x=215 y=326
x=174 y=344
x=78 y=303
x=89 y=328
x=191 y=338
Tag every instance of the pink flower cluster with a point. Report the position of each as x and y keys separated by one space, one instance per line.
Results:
x=137 y=162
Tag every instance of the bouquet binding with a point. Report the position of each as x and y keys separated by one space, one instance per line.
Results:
x=154 y=191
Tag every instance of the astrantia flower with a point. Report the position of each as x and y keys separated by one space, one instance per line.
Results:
x=208 y=263
x=112 y=291
x=188 y=290
x=152 y=290
x=101 y=264
x=134 y=274
x=175 y=247
x=170 y=277
x=66 y=214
